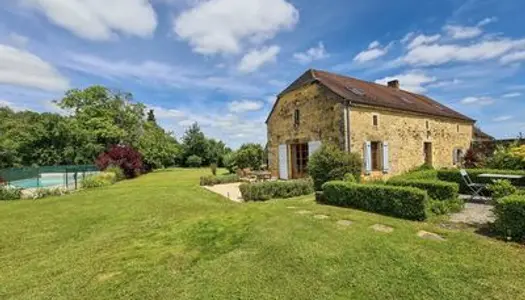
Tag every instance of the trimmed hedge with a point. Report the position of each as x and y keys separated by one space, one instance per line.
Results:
x=263 y=191
x=510 y=217
x=211 y=180
x=417 y=175
x=437 y=190
x=455 y=176
x=403 y=202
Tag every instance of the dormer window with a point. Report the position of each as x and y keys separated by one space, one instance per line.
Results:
x=296 y=117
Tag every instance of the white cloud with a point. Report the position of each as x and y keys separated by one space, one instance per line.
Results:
x=407 y=37
x=98 y=19
x=513 y=57
x=444 y=83
x=436 y=54
x=413 y=81
x=155 y=72
x=423 y=40
x=22 y=68
x=487 y=21
x=244 y=106
x=502 y=118
x=374 y=44
x=254 y=59
x=374 y=51
x=477 y=101
x=314 y=53
x=462 y=32
x=17 y=40
x=166 y=113
x=223 y=26
x=512 y=95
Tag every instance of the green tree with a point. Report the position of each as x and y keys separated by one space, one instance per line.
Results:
x=250 y=156
x=158 y=147
x=151 y=116
x=194 y=142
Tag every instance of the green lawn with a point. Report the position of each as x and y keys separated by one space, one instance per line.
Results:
x=161 y=236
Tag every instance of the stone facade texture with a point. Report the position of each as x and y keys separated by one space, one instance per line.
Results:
x=322 y=119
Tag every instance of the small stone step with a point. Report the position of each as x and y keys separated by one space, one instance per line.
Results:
x=382 y=228
x=321 y=217
x=430 y=236
x=303 y=212
x=344 y=222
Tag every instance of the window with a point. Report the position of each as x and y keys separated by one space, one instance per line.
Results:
x=375 y=120
x=427 y=124
x=457 y=128
x=296 y=117
x=376 y=155
x=457 y=156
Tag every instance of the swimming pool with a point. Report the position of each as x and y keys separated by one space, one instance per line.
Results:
x=49 y=180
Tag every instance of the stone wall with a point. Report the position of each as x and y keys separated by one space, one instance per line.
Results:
x=321 y=119
x=406 y=134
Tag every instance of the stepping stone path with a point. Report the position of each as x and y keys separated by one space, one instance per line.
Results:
x=430 y=236
x=291 y=207
x=304 y=212
x=344 y=222
x=382 y=228
x=321 y=217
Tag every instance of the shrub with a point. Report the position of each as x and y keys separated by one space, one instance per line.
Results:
x=119 y=174
x=194 y=161
x=453 y=175
x=350 y=178
x=213 y=180
x=417 y=175
x=511 y=157
x=403 y=202
x=98 y=180
x=510 y=217
x=124 y=157
x=501 y=188
x=44 y=193
x=213 y=168
x=229 y=162
x=473 y=159
x=438 y=207
x=329 y=163
x=10 y=193
x=437 y=190
x=250 y=156
x=275 y=189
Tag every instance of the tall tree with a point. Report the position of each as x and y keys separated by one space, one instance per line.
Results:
x=195 y=143
x=151 y=116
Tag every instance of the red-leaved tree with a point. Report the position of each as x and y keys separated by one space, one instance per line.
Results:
x=123 y=156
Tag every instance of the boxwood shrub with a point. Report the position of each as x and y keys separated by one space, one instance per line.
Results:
x=213 y=180
x=418 y=175
x=263 y=191
x=510 y=217
x=397 y=201
x=437 y=190
x=453 y=175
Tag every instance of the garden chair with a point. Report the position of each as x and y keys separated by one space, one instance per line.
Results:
x=475 y=188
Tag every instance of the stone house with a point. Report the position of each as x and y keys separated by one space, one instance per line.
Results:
x=392 y=129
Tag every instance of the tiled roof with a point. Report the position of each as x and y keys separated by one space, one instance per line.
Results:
x=373 y=94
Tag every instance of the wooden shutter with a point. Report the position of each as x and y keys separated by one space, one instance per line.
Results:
x=367 y=157
x=313 y=146
x=386 y=158
x=283 y=161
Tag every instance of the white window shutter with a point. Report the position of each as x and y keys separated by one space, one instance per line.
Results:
x=386 y=158
x=283 y=161
x=313 y=147
x=455 y=156
x=367 y=157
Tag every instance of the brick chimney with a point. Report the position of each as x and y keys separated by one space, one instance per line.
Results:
x=393 y=84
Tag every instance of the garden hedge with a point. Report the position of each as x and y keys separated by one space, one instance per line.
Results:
x=510 y=217
x=417 y=175
x=276 y=189
x=453 y=175
x=437 y=190
x=403 y=202
x=213 y=180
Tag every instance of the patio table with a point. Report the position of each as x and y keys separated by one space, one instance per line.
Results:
x=501 y=176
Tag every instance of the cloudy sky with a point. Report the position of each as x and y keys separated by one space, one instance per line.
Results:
x=221 y=62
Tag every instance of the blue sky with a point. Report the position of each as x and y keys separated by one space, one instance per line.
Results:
x=221 y=62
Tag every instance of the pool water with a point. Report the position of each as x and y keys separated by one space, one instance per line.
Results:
x=42 y=182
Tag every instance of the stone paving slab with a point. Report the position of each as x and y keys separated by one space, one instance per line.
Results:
x=303 y=212
x=344 y=222
x=382 y=228
x=474 y=214
x=321 y=217
x=430 y=236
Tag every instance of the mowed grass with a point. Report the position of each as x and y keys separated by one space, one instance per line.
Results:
x=161 y=236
